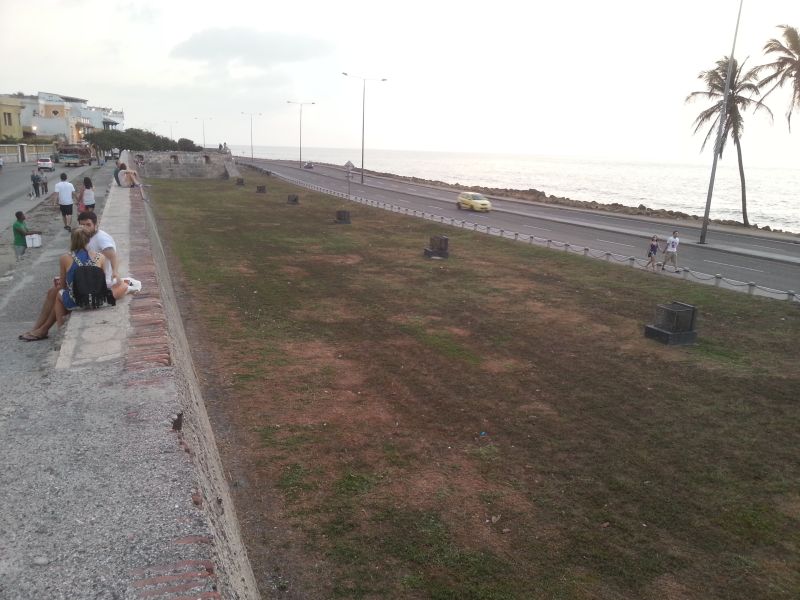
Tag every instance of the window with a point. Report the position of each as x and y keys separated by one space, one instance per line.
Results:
x=7 y=119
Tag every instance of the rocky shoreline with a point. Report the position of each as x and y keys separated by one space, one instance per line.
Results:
x=532 y=195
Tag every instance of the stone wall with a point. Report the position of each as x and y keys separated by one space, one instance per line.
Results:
x=181 y=165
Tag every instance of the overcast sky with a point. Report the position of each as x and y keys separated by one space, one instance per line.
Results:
x=582 y=78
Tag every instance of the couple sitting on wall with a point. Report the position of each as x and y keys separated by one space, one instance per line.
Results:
x=126 y=177
x=89 y=246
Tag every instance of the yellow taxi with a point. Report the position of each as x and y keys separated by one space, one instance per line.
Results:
x=473 y=201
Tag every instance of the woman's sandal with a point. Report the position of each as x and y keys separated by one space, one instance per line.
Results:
x=29 y=337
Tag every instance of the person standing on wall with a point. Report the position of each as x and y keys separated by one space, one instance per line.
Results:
x=66 y=198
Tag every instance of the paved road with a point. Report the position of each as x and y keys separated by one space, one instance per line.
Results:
x=15 y=185
x=770 y=260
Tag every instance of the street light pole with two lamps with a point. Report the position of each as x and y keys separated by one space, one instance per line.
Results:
x=251 y=129
x=363 y=111
x=301 y=104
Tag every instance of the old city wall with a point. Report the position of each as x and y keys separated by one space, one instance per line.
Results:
x=182 y=165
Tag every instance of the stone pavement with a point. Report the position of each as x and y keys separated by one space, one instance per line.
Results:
x=110 y=485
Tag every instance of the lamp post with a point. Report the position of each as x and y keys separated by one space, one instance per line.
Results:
x=364 y=81
x=300 y=104
x=171 y=123
x=251 y=130
x=720 y=131
x=203 y=121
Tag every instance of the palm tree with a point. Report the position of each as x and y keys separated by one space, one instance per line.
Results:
x=743 y=88
x=785 y=68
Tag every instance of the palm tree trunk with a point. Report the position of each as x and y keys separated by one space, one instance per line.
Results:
x=741 y=179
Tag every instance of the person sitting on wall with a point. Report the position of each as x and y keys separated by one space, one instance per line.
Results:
x=58 y=304
x=128 y=177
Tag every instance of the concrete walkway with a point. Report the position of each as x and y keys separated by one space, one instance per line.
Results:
x=105 y=491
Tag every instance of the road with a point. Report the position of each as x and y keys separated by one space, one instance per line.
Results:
x=15 y=185
x=767 y=259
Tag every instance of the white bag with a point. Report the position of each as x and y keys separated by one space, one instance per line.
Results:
x=33 y=240
x=134 y=285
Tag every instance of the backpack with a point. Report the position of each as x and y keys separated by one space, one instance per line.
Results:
x=89 y=289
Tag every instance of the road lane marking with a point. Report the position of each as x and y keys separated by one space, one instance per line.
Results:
x=540 y=228
x=734 y=266
x=615 y=243
x=434 y=207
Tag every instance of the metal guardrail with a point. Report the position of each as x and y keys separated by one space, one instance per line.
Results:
x=717 y=280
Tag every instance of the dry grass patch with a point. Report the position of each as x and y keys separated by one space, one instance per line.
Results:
x=402 y=428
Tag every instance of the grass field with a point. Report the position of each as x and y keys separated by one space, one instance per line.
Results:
x=491 y=426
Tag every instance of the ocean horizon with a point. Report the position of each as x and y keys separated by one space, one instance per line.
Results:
x=772 y=192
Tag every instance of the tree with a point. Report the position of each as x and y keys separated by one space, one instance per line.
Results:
x=785 y=68
x=131 y=139
x=743 y=88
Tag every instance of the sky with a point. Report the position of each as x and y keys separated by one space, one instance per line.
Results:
x=577 y=78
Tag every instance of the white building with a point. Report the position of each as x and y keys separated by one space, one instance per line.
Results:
x=66 y=117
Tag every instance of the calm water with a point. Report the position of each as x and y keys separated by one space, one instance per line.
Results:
x=773 y=194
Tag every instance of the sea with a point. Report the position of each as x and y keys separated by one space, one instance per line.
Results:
x=773 y=194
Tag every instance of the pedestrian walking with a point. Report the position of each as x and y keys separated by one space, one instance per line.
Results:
x=43 y=184
x=1 y=164
x=652 y=253
x=20 y=231
x=86 y=197
x=671 y=251
x=66 y=198
x=35 y=181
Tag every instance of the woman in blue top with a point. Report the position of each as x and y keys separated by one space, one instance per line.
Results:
x=652 y=253
x=64 y=301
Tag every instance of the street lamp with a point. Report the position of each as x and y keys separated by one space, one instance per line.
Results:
x=171 y=123
x=203 y=121
x=251 y=130
x=363 y=112
x=722 y=119
x=301 y=104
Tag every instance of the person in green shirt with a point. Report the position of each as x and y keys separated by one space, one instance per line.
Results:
x=20 y=231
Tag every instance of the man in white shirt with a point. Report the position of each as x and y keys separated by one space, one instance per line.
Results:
x=66 y=198
x=100 y=241
x=671 y=251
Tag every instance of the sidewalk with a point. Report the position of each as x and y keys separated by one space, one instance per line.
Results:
x=106 y=492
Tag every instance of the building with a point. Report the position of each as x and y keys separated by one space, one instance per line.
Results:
x=64 y=117
x=10 y=117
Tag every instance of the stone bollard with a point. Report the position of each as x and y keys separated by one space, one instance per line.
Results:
x=261 y=189
x=342 y=217
x=438 y=247
x=293 y=199
x=240 y=181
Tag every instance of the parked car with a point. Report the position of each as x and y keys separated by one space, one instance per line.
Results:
x=45 y=164
x=473 y=201
x=308 y=165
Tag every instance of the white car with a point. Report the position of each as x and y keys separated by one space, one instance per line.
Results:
x=45 y=164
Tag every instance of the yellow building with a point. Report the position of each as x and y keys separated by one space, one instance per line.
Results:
x=10 y=117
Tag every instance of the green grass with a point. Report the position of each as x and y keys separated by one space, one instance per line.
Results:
x=357 y=378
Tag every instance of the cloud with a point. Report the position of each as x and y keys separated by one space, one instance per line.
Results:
x=248 y=47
